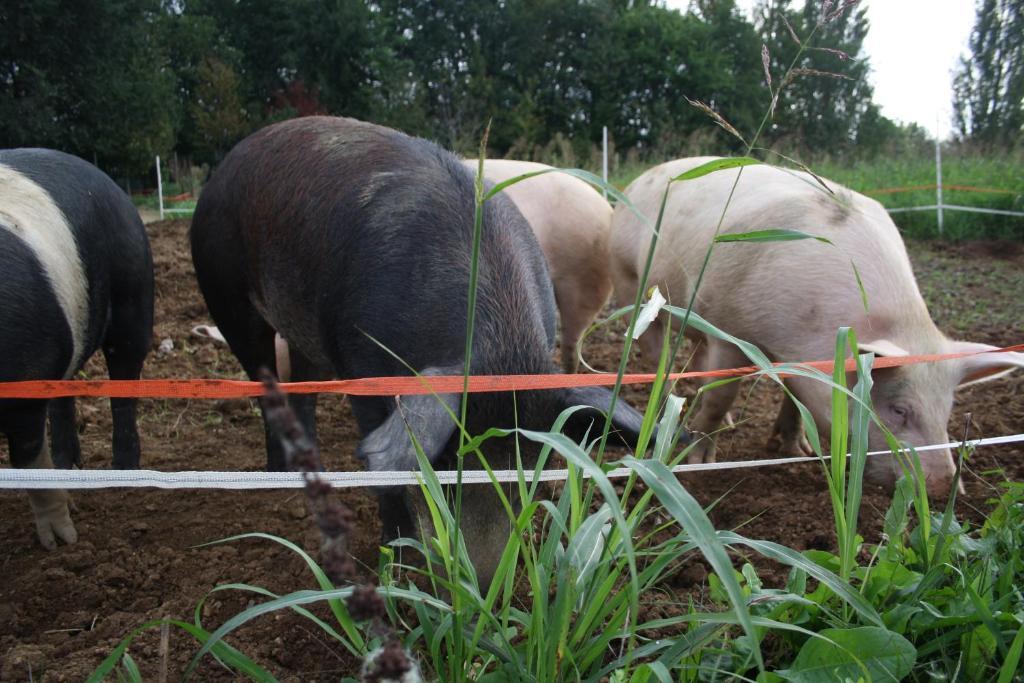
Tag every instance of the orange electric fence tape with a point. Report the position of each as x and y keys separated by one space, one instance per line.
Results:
x=918 y=188
x=391 y=386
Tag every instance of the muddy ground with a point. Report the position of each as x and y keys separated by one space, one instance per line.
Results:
x=62 y=612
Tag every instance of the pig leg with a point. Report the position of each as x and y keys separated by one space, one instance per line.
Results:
x=124 y=347
x=26 y=437
x=579 y=302
x=304 y=405
x=573 y=324
x=485 y=525
x=699 y=363
x=714 y=404
x=395 y=518
x=67 y=452
x=788 y=437
x=252 y=341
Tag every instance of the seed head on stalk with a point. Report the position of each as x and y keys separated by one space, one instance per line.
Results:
x=334 y=520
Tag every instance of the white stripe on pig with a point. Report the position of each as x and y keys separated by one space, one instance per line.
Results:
x=29 y=212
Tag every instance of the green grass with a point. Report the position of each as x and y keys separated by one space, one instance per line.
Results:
x=151 y=201
x=1005 y=173
x=931 y=602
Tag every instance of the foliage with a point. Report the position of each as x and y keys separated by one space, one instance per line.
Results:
x=118 y=81
x=988 y=98
x=961 y=166
x=932 y=601
x=216 y=108
x=935 y=600
x=948 y=596
x=88 y=78
x=830 y=106
x=567 y=600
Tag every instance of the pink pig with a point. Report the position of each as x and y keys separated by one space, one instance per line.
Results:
x=789 y=298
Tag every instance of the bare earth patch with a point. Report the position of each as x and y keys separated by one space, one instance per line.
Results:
x=62 y=612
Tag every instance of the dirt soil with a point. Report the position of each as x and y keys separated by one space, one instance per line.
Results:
x=139 y=558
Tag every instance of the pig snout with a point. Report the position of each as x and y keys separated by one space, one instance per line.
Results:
x=938 y=468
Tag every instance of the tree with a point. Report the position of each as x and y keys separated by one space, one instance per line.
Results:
x=822 y=107
x=332 y=48
x=988 y=100
x=216 y=110
x=87 y=78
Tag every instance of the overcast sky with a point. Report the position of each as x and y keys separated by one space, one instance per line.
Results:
x=913 y=47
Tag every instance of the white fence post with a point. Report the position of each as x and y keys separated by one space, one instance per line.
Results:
x=604 y=159
x=159 y=187
x=938 y=181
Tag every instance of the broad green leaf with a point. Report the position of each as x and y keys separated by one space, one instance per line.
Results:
x=587 y=545
x=979 y=648
x=868 y=653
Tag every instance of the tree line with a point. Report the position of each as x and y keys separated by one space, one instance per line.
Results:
x=117 y=81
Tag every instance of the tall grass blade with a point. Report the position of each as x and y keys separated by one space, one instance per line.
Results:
x=1013 y=658
x=788 y=556
x=714 y=166
x=770 y=235
x=337 y=606
x=218 y=648
x=300 y=598
x=691 y=516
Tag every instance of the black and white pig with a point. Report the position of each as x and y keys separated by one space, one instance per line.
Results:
x=76 y=274
x=337 y=233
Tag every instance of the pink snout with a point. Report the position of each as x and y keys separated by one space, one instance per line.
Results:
x=938 y=467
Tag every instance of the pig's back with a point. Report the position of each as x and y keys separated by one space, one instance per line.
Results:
x=789 y=297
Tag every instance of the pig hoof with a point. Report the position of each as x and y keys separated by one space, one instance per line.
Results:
x=53 y=521
x=703 y=450
x=57 y=526
x=790 y=444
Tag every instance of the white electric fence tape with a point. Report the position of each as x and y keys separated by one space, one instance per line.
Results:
x=101 y=479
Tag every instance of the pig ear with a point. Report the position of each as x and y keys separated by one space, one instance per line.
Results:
x=626 y=422
x=390 y=447
x=883 y=347
x=985 y=366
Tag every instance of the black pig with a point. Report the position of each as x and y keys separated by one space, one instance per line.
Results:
x=346 y=236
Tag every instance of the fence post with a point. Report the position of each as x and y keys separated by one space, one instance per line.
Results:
x=159 y=187
x=604 y=159
x=938 y=181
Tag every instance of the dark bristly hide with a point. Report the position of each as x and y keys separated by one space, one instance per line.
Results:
x=353 y=241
